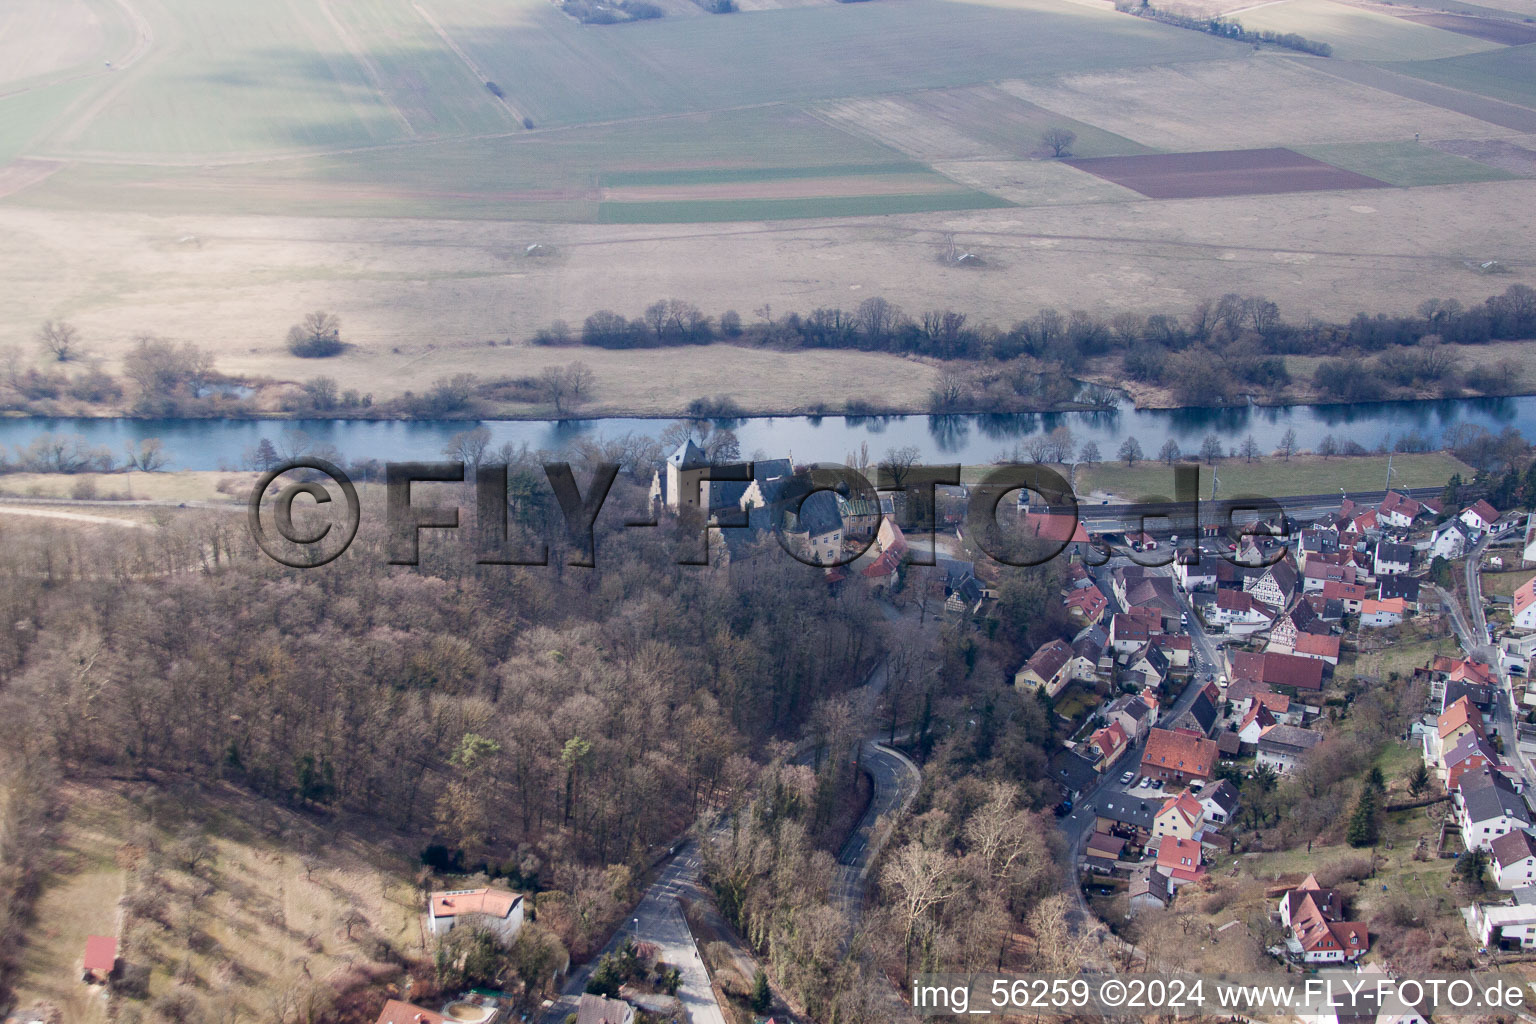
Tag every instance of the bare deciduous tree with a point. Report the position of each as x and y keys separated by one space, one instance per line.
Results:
x=59 y=339
x=1059 y=140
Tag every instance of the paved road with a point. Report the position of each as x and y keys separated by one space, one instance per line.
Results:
x=896 y=782
x=658 y=918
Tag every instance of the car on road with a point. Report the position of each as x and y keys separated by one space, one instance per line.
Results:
x=1126 y=778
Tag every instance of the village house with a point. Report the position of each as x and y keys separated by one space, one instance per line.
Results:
x=1085 y=605
x=1391 y=559
x=1219 y=802
x=1505 y=926
x=1512 y=857
x=1180 y=816
x=1284 y=747
x=595 y=1009
x=1106 y=745
x=1489 y=807
x=1471 y=753
x=1126 y=816
x=1318 y=574
x=397 y=1012
x=1131 y=713
x=498 y=910
x=1047 y=668
x=1450 y=540
x=1319 y=934
x=1073 y=772
x=1179 y=859
x=1178 y=756
x=1148 y=888
x=1523 y=606
x=1276 y=670
x=1349 y=595
x=1381 y=614
x=1254 y=723
x=1400 y=588
x=1276 y=585
x=1315 y=645
x=1460 y=718
x=1480 y=516
x=1398 y=510
x=1239 y=612
x=1129 y=630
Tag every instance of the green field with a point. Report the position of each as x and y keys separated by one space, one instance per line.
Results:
x=1358 y=34
x=1507 y=73
x=380 y=108
x=1404 y=163
x=794 y=55
x=551 y=175
x=1275 y=477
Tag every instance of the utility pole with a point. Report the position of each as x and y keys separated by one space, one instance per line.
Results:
x=1389 y=471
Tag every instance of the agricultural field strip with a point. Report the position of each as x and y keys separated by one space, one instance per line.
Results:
x=474 y=68
x=1447 y=97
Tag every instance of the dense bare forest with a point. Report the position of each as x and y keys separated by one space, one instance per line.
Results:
x=548 y=724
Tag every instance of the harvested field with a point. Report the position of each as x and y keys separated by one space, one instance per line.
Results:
x=1359 y=33
x=1507 y=73
x=1500 y=153
x=1250 y=103
x=19 y=174
x=784 y=188
x=1412 y=163
x=1507 y=33
x=1239 y=172
x=976 y=123
x=39 y=37
x=1033 y=182
x=1454 y=98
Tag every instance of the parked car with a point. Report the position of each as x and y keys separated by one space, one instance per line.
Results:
x=1126 y=778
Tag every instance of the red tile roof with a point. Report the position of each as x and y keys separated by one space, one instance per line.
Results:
x=490 y=902
x=1321 y=646
x=1180 y=751
x=1181 y=857
x=396 y=1012
x=100 y=952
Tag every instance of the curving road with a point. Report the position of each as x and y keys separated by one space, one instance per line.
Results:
x=896 y=781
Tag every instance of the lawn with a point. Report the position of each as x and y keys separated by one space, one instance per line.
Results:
x=1408 y=651
x=1506 y=73
x=1274 y=477
x=1505 y=583
x=1356 y=33
x=1404 y=163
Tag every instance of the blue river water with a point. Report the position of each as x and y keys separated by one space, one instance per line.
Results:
x=225 y=444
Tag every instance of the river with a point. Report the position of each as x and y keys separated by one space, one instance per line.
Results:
x=225 y=444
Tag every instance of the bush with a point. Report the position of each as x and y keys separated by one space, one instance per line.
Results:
x=318 y=337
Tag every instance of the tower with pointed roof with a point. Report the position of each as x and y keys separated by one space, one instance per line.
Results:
x=686 y=483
